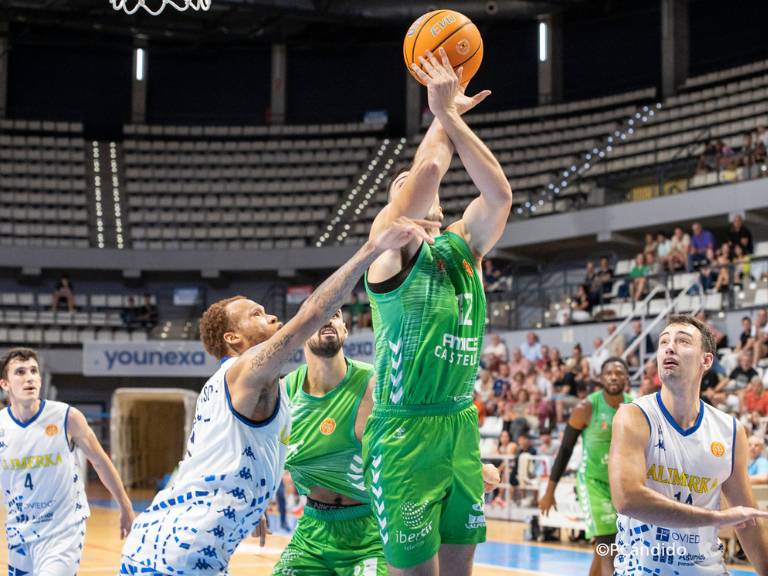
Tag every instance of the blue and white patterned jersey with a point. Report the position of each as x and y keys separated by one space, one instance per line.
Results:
x=689 y=466
x=39 y=475
x=231 y=470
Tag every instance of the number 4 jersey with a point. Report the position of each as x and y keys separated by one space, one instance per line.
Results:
x=689 y=466
x=429 y=329
x=39 y=475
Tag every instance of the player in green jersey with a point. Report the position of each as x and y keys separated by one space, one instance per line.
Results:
x=331 y=399
x=421 y=444
x=592 y=418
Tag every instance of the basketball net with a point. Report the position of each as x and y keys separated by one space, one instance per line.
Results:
x=155 y=7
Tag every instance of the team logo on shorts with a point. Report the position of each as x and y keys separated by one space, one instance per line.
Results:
x=717 y=449
x=462 y=47
x=413 y=514
x=51 y=430
x=468 y=268
x=327 y=426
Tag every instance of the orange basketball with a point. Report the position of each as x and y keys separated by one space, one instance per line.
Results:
x=450 y=30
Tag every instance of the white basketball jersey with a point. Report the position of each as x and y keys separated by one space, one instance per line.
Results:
x=39 y=475
x=231 y=470
x=689 y=466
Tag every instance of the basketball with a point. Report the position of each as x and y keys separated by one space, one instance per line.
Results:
x=450 y=30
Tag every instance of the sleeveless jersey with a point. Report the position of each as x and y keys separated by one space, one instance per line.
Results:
x=689 y=466
x=39 y=475
x=597 y=437
x=224 y=483
x=429 y=330
x=324 y=450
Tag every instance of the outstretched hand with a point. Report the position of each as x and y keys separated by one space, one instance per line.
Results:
x=445 y=92
x=402 y=231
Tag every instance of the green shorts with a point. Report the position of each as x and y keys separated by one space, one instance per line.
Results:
x=344 y=542
x=423 y=469
x=595 y=501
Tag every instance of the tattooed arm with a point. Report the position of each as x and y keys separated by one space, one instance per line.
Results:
x=252 y=380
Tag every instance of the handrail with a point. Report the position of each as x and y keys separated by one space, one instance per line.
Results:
x=642 y=305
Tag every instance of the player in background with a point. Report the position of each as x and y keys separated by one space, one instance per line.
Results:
x=672 y=457
x=47 y=505
x=421 y=444
x=592 y=420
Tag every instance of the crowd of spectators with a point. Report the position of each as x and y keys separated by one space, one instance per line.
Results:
x=524 y=394
x=140 y=315
x=722 y=265
x=718 y=156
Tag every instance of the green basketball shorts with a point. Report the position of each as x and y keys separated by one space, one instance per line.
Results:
x=595 y=501
x=423 y=469
x=344 y=542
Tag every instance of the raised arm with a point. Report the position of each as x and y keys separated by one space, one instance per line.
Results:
x=81 y=434
x=627 y=473
x=255 y=372
x=416 y=189
x=737 y=490
x=484 y=219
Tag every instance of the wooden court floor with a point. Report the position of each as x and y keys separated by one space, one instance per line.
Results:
x=503 y=553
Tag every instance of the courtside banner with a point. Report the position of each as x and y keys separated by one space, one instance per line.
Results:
x=162 y=358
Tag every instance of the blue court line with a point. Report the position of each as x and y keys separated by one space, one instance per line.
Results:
x=535 y=558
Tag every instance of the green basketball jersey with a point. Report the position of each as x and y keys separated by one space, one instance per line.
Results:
x=323 y=449
x=597 y=437
x=429 y=330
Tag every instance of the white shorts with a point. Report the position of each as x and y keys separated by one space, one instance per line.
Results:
x=57 y=555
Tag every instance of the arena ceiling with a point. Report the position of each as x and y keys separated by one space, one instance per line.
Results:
x=254 y=20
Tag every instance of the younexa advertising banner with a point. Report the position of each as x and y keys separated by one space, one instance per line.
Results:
x=182 y=358
x=160 y=358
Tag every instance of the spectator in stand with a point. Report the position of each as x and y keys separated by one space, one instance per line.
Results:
x=701 y=241
x=723 y=268
x=523 y=446
x=727 y=159
x=502 y=379
x=484 y=385
x=555 y=361
x=680 y=244
x=518 y=362
x=755 y=397
x=761 y=145
x=741 y=375
x=742 y=266
x=581 y=306
x=531 y=348
x=495 y=352
x=650 y=244
x=638 y=278
x=708 y=161
x=605 y=276
x=64 y=291
x=492 y=276
x=741 y=235
x=747 y=151
x=747 y=334
x=711 y=382
x=618 y=344
x=653 y=265
x=637 y=330
x=757 y=470
x=596 y=360
x=762 y=136
x=663 y=250
x=541 y=363
x=505 y=447
x=760 y=344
